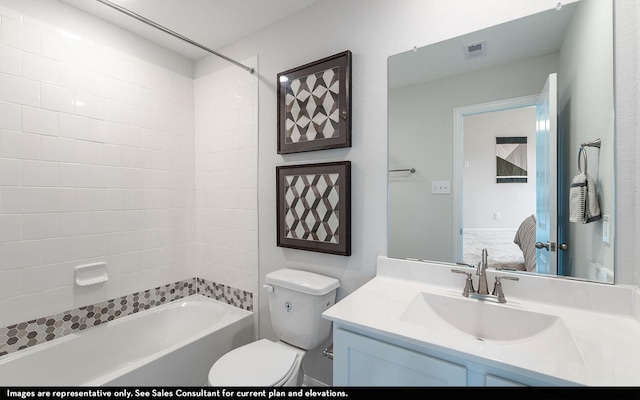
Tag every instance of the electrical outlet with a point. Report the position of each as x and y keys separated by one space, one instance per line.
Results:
x=496 y=216
x=440 y=187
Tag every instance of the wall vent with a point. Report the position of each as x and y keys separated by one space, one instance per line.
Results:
x=475 y=50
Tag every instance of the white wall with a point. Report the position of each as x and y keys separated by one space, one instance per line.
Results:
x=373 y=30
x=483 y=197
x=579 y=95
x=96 y=160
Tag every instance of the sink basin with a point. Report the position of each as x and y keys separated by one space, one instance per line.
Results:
x=481 y=319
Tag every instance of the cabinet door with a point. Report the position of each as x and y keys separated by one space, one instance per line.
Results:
x=363 y=361
x=492 y=380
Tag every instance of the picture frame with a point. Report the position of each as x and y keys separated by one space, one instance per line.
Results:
x=313 y=204
x=511 y=159
x=314 y=105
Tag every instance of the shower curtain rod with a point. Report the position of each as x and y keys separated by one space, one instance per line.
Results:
x=170 y=32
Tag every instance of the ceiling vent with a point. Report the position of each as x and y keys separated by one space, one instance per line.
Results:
x=475 y=50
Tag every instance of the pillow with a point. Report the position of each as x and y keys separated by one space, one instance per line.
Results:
x=526 y=239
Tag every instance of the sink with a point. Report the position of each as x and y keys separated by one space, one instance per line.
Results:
x=480 y=319
x=497 y=325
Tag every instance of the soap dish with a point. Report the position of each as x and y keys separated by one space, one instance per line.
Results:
x=91 y=274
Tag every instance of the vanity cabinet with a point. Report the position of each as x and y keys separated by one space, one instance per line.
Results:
x=363 y=360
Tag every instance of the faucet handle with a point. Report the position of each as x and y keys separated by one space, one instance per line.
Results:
x=468 y=286
x=497 y=287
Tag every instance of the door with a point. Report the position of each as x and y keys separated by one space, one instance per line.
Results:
x=546 y=176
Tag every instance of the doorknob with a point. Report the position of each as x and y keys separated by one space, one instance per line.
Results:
x=563 y=246
x=540 y=245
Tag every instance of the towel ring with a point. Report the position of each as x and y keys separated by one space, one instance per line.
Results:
x=582 y=154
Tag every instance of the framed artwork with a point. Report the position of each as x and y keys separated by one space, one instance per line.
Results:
x=314 y=105
x=511 y=159
x=314 y=207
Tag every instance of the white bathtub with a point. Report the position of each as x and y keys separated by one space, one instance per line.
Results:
x=174 y=344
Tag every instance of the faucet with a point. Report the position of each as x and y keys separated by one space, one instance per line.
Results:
x=481 y=271
x=483 y=291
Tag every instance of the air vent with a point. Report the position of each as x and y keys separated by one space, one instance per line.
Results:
x=475 y=50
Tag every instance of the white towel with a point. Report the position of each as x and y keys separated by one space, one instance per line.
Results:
x=583 y=199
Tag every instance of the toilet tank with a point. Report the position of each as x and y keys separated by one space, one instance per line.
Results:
x=297 y=300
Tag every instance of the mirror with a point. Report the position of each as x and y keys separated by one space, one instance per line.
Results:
x=485 y=132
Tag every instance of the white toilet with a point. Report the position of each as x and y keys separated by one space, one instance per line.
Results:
x=296 y=302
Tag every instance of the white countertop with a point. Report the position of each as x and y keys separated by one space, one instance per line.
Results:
x=606 y=334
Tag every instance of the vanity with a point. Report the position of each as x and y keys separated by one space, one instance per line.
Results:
x=411 y=326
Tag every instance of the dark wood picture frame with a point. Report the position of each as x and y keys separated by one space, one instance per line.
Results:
x=314 y=105
x=314 y=207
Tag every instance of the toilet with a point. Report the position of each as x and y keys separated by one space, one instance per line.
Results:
x=297 y=300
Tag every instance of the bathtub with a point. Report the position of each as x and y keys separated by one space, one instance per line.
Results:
x=174 y=344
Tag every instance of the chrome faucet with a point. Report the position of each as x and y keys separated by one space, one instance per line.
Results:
x=481 y=271
x=483 y=291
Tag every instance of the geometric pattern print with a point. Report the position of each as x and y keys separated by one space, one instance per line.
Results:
x=311 y=207
x=511 y=159
x=312 y=107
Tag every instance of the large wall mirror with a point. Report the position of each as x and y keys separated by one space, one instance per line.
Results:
x=495 y=139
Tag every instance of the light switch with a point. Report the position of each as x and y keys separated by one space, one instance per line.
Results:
x=440 y=187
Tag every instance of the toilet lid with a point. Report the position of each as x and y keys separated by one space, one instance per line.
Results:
x=260 y=363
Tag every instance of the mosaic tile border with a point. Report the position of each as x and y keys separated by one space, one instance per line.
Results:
x=30 y=333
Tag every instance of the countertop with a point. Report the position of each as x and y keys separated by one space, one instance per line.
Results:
x=605 y=349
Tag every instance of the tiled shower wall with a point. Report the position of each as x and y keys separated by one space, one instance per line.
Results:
x=96 y=164
x=226 y=161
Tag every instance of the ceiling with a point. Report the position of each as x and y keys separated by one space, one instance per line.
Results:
x=212 y=23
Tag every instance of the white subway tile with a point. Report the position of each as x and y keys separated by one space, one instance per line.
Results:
x=104 y=177
x=152 y=139
x=20 y=200
x=104 y=131
x=75 y=224
x=20 y=254
x=89 y=199
x=10 y=227
x=53 y=274
x=57 y=99
x=10 y=172
x=89 y=105
x=75 y=175
x=20 y=90
x=10 y=283
x=37 y=120
x=58 y=199
x=150 y=99
x=129 y=135
x=75 y=127
x=21 y=36
x=10 y=116
x=40 y=226
x=89 y=152
x=58 y=149
x=21 y=145
x=141 y=117
x=89 y=246
x=116 y=111
x=10 y=60
x=160 y=121
x=39 y=68
x=39 y=173
x=59 y=49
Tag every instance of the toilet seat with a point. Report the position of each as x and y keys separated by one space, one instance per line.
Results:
x=260 y=363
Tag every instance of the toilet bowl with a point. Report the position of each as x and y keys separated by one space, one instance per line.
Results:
x=260 y=363
x=297 y=300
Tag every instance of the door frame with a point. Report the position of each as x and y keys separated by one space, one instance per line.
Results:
x=458 y=156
